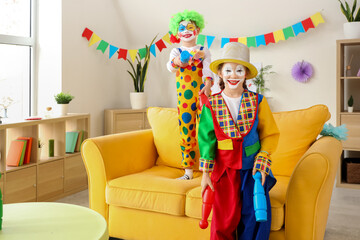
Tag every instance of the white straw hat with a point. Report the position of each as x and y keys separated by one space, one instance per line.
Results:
x=238 y=53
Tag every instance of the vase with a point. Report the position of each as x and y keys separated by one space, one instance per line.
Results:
x=138 y=100
x=63 y=109
x=350 y=109
x=352 y=30
x=39 y=153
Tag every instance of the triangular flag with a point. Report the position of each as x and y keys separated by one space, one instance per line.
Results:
x=298 y=28
x=132 y=54
x=234 y=39
x=307 y=24
x=251 y=41
x=112 y=50
x=279 y=35
x=260 y=40
x=269 y=38
x=210 y=40
x=160 y=44
x=122 y=54
x=166 y=38
x=87 y=33
x=243 y=40
x=94 y=39
x=288 y=32
x=153 y=50
x=224 y=41
x=102 y=46
x=201 y=40
x=142 y=53
x=317 y=19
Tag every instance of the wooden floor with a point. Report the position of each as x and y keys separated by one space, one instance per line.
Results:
x=344 y=214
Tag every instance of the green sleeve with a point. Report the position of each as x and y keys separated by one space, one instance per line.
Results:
x=207 y=140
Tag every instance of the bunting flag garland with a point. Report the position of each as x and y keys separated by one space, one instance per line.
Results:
x=87 y=33
x=132 y=53
x=160 y=44
x=153 y=50
x=112 y=50
x=253 y=41
x=122 y=53
x=210 y=40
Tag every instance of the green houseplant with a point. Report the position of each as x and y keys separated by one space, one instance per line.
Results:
x=63 y=100
x=350 y=104
x=351 y=28
x=259 y=80
x=139 y=72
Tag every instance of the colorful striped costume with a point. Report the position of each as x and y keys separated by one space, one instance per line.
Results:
x=230 y=149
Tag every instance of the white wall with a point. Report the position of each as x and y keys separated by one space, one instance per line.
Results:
x=99 y=83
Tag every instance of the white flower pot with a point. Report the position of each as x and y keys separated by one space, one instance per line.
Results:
x=63 y=109
x=350 y=109
x=138 y=100
x=39 y=153
x=352 y=30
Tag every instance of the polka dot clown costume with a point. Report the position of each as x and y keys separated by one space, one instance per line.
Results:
x=193 y=76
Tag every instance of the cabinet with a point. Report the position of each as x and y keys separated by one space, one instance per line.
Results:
x=125 y=120
x=348 y=83
x=44 y=178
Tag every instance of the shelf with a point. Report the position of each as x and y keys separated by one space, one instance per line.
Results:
x=348 y=185
x=11 y=169
x=350 y=113
x=356 y=78
x=73 y=154
x=50 y=159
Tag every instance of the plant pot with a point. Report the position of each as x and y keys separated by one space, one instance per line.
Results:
x=63 y=109
x=350 y=109
x=138 y=100
x=39 y=153
x=352 y=30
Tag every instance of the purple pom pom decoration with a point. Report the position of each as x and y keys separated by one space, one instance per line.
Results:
x=302 y=71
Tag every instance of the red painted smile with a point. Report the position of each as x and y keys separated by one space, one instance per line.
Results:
x=233 y=81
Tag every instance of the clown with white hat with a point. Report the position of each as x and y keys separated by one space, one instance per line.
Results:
x=237 y=135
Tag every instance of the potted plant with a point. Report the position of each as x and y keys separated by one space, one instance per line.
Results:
x=350 y=104
x=40 y=145
x=259 y=80
x=352 y=27
x=63 y=100
x=138 y=75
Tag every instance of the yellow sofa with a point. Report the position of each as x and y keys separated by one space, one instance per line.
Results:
x=132 y=179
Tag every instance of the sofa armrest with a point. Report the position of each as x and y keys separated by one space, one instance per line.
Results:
x=309 y=191
x=112 y=156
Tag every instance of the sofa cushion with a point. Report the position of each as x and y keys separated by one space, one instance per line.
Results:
x=164 y=123
x=155 y=189
x=277 y=199
x=298 y=130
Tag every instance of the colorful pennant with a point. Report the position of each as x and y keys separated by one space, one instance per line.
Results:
x=253 y=41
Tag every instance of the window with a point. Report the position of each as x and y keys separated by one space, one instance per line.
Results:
x=17 y=44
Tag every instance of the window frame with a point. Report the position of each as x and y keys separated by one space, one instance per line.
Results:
x=31 y=43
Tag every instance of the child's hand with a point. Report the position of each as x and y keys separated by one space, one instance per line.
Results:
x=178 y=62
x=263 y=176
x=206 y=89
x=206 y=181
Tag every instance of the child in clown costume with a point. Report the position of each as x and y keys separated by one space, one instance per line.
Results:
x=192 y=78
x=237 y=135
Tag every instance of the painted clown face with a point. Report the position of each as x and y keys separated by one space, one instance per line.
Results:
x=187 y=31
x=233 y=75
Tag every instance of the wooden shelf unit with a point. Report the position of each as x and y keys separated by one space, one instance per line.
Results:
x=44 y=178
x=125 y=120
x=347 y=83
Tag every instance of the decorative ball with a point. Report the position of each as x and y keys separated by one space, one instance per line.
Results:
x=302 y=71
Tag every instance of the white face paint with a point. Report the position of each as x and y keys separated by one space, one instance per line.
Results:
x=187 y=31
x=233 y=74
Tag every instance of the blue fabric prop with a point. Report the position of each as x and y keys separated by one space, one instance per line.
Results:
x=340 y=132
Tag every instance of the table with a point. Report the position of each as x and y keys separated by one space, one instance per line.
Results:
x=52 y=221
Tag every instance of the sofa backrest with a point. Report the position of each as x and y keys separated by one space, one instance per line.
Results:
x=298 y=130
